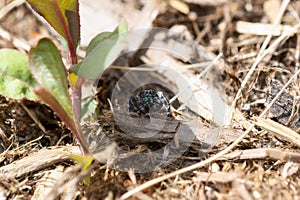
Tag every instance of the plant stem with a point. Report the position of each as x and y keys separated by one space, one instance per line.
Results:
x=76 y=104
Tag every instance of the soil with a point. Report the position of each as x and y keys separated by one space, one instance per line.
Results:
x=262 y=165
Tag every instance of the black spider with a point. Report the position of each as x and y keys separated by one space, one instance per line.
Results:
x=145 y=101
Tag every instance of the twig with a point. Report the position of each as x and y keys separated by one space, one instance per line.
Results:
x=282 y=9
x=207 y=2
x=262 y=28
x=37 y=161
x=262 y=153
x=279 y=130
x=34 y=118
x=297 y=52
x=221 y=177
x=6 y=9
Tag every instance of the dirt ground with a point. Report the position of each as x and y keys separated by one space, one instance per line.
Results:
x=260 y=46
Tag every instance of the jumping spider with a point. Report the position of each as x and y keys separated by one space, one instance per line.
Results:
x=146 y=101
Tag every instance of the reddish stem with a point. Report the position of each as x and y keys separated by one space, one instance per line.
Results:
x=76 y=100
x=76 y=88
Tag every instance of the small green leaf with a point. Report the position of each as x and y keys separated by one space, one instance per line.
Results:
x=97 y=40
x=101 y=37
x=49 y=71
x=88 y=105
x=101 y=52
x=62 y=15
x=16 y=80
x=86 y=159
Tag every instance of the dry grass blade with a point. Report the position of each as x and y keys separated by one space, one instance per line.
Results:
x=180 y=6
x=221 y=177
x=277 y=20
x=262 y=29
x=262 y=153
x=6 y=9
x=207 y=2
x=36 y=161
x=278 y=130
x=262 y=54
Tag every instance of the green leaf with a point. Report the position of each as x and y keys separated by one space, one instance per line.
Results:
x=16 y=80
x=88 y=105
x=101 y=52
x=97 y=40
x=53 y=103
x=63 y=16
x=86 y=159
x=49 y=71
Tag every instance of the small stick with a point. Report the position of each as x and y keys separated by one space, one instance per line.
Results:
x=279 y=130
x=6 y=9
x=262 y=153
x=282 y=9
x=34 y=118
x=297 y=52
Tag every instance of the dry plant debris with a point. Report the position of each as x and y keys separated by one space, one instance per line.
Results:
x=260 y=44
